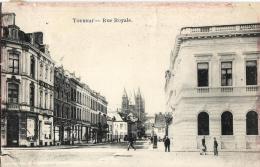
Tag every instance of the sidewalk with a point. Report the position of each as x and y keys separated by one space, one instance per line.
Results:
x=78 y=145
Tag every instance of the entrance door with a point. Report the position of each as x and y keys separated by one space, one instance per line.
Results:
x=13 y=130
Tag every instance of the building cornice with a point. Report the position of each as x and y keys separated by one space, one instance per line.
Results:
x=221 y=31
x=26 y=46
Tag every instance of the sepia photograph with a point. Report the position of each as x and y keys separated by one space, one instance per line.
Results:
x=128 y=84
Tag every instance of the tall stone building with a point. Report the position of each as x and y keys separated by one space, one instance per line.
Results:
x=42 y=104
x=62 y=107
x=212 y=87
x=26 y=87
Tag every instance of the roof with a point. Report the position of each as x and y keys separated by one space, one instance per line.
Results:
x=116 y=116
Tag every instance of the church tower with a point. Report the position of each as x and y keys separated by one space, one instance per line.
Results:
x=125 y=103
x=139 y=104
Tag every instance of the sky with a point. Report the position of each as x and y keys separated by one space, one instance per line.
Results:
x=111 y=56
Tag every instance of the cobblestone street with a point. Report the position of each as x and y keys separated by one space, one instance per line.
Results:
x=117 y=154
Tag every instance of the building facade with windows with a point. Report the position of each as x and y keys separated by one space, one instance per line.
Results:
x=26 y=87
x=119 y=127
x=159 y=126
x=62 y=116
x=212 y=87
x=79 y=112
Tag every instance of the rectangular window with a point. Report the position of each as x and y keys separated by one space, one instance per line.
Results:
x=32 y=94
x=46 y=73
x=251 y=72
x=46 y=99
x=50 y=102
x=41 y=70
x=13 y=91
x=40 y=99
x=203 y=74
x=14 y=63
x=226 y=73
x=32 y=67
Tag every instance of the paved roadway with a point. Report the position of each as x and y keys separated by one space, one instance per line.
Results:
x=117 y=155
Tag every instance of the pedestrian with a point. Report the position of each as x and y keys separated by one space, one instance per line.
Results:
x=167 y=143
x=130 y=143
x=215 y=147
x=203 y=147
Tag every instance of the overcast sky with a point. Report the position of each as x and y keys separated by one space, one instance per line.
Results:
x=112 y=56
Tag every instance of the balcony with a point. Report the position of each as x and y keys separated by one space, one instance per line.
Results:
x=220 y=29
x=219 y=91
x=13 y=106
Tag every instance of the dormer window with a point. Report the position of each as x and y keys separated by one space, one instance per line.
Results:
x=14 y=33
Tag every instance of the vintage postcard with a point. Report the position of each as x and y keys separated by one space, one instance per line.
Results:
x=130 y=84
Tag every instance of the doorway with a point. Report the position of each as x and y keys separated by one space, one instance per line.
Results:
x=13 y=131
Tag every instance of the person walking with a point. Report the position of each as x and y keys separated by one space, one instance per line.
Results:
x=130 y=143
x=215 y=147
x=167 y=143
x=204 y=147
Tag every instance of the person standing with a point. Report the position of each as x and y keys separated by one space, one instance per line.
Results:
x=204 y=147
x=215 y=147
x=167 y=143
x=130 y=143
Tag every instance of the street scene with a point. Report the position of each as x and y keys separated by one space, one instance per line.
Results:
x=114 y=155
x=129 y=84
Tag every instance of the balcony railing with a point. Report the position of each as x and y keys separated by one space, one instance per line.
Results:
x=13 y=106
x=217 y=29
x=220 y=91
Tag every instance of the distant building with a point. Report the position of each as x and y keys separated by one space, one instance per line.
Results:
x=110 y=128
x=135 y=111
x=212 y=87
x=149 y=123
x=159 y=126
x=119 y=128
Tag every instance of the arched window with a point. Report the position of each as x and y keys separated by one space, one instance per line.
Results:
x=203 y=123
x=252 y=123
x=227 y=123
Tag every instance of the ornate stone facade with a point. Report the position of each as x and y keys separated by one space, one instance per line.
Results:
x=212 y=87
x=27 y=87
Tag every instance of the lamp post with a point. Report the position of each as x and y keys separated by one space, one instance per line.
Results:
x=168 y=119
x=154 y=139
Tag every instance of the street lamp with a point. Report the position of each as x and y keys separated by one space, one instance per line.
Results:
x=154 y=139
x=168 y=119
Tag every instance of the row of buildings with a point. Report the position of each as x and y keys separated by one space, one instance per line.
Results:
x=42 y=104
x=212 y=87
